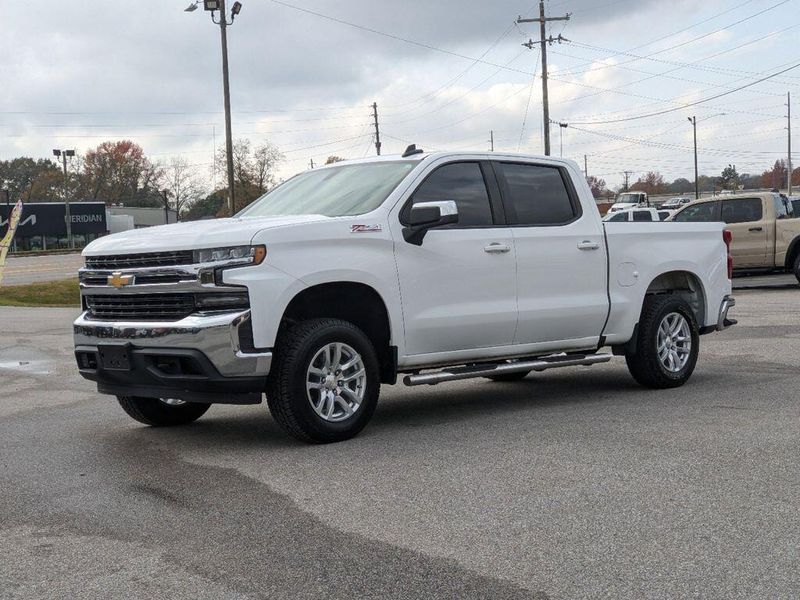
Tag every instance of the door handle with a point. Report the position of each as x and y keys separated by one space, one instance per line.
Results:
x=756 y=229
x=497 y=248
x=588 y=245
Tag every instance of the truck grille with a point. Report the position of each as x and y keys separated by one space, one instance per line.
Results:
x=134 y=261
x=140 y=307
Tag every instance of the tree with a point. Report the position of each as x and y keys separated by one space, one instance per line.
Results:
x=333 y=159
x=119 y=172
x=32 y=180
x=652 y=183
x=775 y=177
x=730 y=178
x=181 y=184
x=680 y=186
x=254 y=170
x=207 y=207
x=598 y=186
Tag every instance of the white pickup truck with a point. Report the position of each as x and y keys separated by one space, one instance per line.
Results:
x=437 y=266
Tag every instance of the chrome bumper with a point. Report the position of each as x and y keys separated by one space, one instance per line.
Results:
x=215 y=336
x=723 y=322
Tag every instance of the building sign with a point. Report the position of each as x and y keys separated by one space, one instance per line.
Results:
x=49 y=218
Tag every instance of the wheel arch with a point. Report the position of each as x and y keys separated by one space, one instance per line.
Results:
x=791 y=253
x=352 y=301
x=685 y=284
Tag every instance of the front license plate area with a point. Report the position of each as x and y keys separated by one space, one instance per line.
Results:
x=115 y=358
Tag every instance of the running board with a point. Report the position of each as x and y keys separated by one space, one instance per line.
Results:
x=488 y=369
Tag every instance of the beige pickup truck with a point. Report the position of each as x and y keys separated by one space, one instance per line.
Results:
x=765 y=236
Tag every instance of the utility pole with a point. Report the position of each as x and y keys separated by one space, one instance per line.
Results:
x=789 y=128
x=377 y=128
x=627 y=175
x=491 y=140
x=561 y=128
x=585 y=167
x=542 y=20
x=311 y=163
x=693 y=121
x=166 y=207
x=63 y=154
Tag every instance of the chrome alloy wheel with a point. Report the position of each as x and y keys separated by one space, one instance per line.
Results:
x=335 y=382
x=674 y=342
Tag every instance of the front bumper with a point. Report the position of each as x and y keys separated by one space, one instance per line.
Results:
x=200 y=358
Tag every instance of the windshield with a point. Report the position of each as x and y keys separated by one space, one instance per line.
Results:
x=337 y=191
x=629 y=198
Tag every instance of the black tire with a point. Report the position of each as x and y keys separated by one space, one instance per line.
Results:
x=287 y=396
x=508 y=377
x=796 y=267
x=154 y=412
x=644 y=364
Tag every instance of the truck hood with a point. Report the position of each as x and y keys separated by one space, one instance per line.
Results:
x=213 y=233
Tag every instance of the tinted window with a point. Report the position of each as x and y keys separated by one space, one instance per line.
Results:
x=741 y=211
x=537 y=194
x=642 y=215
x=663 y=215
x=703 y=212
x=463 y=183
x=620 y=216
x=796 y=206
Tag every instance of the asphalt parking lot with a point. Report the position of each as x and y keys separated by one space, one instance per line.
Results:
x=574 y=483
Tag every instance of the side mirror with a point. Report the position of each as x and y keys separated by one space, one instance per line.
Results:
x=427 y=215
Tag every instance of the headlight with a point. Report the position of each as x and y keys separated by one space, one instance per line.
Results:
x=243 y=255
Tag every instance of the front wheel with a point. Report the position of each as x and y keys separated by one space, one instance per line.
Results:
x=161 y=412
x=797 y=267
x=667 y=345
x=324 y=384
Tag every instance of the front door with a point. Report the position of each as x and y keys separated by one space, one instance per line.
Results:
x=458 y=288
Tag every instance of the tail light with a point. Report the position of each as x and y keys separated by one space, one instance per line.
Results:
x=727 y=237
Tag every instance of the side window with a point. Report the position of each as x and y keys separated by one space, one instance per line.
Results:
x=701 y=212
x=463 y=183
x=620 y=216
x=742 y=210
x=642 y=215
x=537 y=195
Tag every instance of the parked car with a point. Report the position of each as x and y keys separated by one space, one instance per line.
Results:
x=634 y=214
x=627 y=200
x=764 y=235
x=676 y=203
x=433 y=267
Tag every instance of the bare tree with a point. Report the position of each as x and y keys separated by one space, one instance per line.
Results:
x=181 y=184
x=254 y=170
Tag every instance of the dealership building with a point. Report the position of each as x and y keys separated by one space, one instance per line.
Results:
x=43 y=225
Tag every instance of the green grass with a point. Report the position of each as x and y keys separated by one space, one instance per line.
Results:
x=50 y=293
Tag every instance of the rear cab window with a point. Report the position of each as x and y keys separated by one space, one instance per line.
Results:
x=537 y=195
x=742 y=210
x=642 y=215
x=699 y=212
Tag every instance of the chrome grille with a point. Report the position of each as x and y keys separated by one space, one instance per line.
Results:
x=140 y=307
x=134 y=261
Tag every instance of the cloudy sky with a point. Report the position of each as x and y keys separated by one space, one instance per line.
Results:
x=443 y=73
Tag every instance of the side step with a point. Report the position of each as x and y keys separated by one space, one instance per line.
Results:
x=487 y=369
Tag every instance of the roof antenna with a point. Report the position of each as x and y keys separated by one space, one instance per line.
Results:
x=412 y=150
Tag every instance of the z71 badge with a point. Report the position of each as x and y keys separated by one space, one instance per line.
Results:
x=365 y=228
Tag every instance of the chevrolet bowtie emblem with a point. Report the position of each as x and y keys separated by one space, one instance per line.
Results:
x=119 y=280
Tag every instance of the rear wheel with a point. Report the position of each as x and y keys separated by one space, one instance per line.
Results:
x=324 y=384
x=162 y=412
x=667 y=345
x=796 y=268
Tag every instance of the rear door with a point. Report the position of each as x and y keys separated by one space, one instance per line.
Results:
x=561 y=255
x=747 y=223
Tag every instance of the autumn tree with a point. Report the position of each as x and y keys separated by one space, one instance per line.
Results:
x=652 y=183
x=32 y=180
x=776 y=176
x=598 y=186
x=680 y=186
x=119 y=172
x=333 y=159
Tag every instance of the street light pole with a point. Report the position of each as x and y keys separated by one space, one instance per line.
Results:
x=693 y=121
x=212 y=6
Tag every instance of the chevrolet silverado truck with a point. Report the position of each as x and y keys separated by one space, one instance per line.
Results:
x=765 y=236
x=431 y=266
